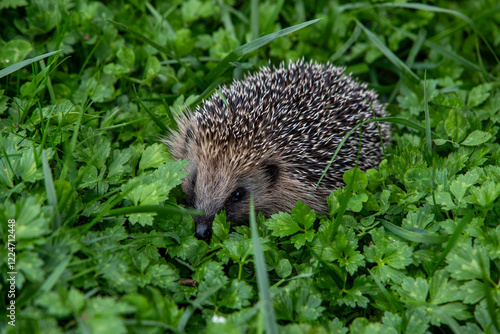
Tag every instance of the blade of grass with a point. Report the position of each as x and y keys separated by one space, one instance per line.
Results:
x=415 y=235
x=55 y=276
x=173 y=123
x=51 y=192
x=166 y=210
x=454 y=237
x=274 y=16
x=385 y=50
x=262 y=278
x=331 y=269
x=239 y=52
x=427 y=8
x=8 y=170
x=410 y=61
x=17 y=66
x=489 y=293
x=444 y=52
x=428 y=144
x=155 y=119
x=395 y=120
x=254 y=24
x=344 y=47
x=393 y=303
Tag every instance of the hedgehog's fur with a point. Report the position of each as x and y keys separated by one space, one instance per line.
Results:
x=273 y=136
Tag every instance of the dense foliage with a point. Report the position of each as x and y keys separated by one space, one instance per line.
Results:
x=101 y=243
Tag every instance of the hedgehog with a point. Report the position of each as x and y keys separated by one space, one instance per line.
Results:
x=272 y=135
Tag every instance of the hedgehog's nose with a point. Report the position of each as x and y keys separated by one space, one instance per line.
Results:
x=203 y=229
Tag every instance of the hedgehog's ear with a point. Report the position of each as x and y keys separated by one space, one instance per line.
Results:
x=272 y=171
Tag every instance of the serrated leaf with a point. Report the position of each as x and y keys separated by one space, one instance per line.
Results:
x=415 y=289
x=389 y=254
x=354 y=297
x=486 y=194
x=118 y=166
x=300 y=239
x=282 y=224
x=153 y=156
x=442 y=198
x=418 y=320
x=462 y=183
x=303 y=216
x=236 y=295
x=153 y=188
x=456 y=125
x=220 y=228
x=477 y=138
x=479 y=94
x=464 y=263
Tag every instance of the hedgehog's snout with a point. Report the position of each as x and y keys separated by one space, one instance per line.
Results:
x=203 y=227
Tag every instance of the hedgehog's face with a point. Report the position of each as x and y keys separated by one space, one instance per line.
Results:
x=214 y=185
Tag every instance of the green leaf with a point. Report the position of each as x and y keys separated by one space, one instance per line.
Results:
x=418 y=320
x=14 y=51
x=284 y=268
x=414 y=289
x=418 y=179
x=476 y=138
x=356 y=202
x=252 y=46
x=118 y=167
x=462 y=183
x=153 y=156
x=153 y=188
x=220 y=229
x=102 y=315
x=443 y=290
x=13 y=68
x=478 y=95
x=300 y=239
x=356 y=178
x=486 y=194
x=464 y=262
x=282 y=224
x=31 y=221
x=237 y=250
x=456 y=125
x=236 y=295
x=389 y=254
x=354 y=297
x=303 y=216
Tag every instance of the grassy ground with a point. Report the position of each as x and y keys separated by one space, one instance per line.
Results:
x=90 y=195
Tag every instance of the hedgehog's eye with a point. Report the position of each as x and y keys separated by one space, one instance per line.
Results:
x=237 y=195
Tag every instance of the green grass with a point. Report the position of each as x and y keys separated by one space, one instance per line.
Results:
x=87 y=90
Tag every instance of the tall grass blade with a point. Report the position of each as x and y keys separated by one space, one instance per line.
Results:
x=51 y=191
x=385 y=50
x=56 y=274
x=262 y=278
x=415 y=235
x=239 y=52
x=454 y=237
x=17 y=66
